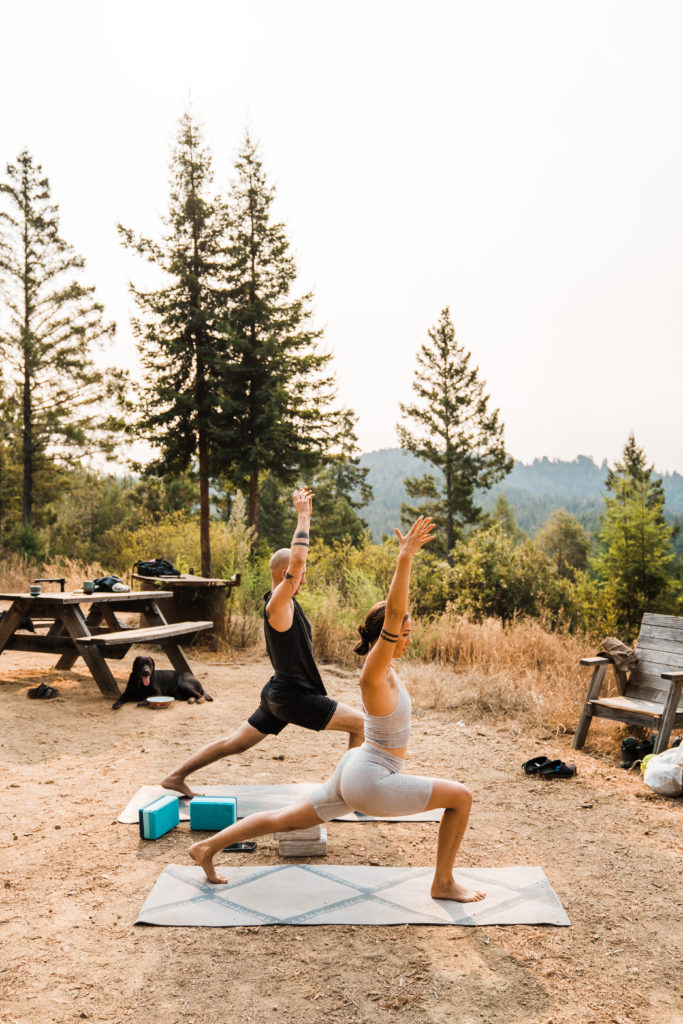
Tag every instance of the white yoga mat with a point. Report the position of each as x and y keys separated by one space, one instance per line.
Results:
x=251 y=799
x=300 y=894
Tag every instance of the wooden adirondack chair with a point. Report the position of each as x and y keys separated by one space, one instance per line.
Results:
x=650 y=694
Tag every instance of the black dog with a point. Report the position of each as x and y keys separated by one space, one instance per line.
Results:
x=146 y=681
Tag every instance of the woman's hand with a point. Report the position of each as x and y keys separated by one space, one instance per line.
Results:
x=419 y=534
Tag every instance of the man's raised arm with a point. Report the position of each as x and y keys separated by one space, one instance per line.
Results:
x=280 y=609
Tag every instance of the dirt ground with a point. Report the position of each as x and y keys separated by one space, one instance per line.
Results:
x=72 y=880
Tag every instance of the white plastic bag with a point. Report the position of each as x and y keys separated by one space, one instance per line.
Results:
x=664 y=773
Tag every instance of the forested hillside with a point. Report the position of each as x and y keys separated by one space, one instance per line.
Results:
x=534 y=490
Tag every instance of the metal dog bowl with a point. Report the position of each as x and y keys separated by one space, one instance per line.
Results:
x=160 y=702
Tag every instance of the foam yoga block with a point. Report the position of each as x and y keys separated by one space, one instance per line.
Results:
x=212 y=813
x=159 y=817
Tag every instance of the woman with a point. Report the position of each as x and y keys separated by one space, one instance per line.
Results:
x=368 y=779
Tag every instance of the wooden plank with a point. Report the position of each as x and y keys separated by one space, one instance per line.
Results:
x=596 y=682
x=196 y=582
x=630 y=717
x=37 y=644
x=651 y=679
x=663 y=619
x=658 y=650
x=174 y=653
x=147 y=634
x=644 y=707
x=661 y=634
x=92 y=621
x=11 y=620
x=669 y=717
x=654 y=619
x=78 y=630
x=647 y=693
x=78 y=597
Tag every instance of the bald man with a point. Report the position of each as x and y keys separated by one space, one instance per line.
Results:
x=294 y=695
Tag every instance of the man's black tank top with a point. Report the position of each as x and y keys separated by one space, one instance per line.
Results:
x=291 y=652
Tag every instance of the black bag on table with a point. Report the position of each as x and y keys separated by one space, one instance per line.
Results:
x=156 y=567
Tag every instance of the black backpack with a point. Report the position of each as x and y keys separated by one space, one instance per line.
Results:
x=156 y=567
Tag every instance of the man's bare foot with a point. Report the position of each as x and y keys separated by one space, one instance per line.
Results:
x=178 y=784
x=200 y=856
x=454 y=891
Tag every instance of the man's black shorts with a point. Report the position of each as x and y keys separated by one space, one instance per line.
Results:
x=288 y=704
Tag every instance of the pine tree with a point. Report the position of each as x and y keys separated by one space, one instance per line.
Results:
x=341 y=490
x=181 y=335
x=633 y=565
x=454 y=431
x=62 y=406
x=278 y=412
x=565 y=542
x=634 y=466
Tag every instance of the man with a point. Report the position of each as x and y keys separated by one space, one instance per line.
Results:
x=295 y=693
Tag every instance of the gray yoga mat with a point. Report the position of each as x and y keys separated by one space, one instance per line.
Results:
x=251 y=799
x=300 y=894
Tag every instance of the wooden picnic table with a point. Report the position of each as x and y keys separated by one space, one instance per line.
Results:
x=97 y=635
x=193 y=597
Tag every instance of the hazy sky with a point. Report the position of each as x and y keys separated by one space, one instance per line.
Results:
x=520 y=162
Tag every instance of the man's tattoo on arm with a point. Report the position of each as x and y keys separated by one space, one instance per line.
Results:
x=291 y=580
x=300 y=539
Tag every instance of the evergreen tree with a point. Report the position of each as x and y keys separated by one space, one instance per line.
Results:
x=634 y=466
x=504 y=514
x=564 y=541
x=341 y=490
x=278 y=412
x=454 y=431
x=181 y=335
x=633 y=565
x=61 y=405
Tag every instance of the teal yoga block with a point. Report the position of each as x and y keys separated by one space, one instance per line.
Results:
x=212 y=813
x=159 y=817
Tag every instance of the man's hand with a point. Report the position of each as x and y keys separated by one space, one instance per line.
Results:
x=280 y=609
x=303 y=501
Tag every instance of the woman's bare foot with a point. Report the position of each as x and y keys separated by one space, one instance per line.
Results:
x=204 y=859
x=178 y=784
x=452 y=890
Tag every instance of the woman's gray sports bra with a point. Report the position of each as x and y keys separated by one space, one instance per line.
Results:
x=392 y=731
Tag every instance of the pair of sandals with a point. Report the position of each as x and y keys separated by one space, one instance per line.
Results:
x=549 y=769
x=43 y=692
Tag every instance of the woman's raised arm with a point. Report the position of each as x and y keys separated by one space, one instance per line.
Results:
x=379 y=658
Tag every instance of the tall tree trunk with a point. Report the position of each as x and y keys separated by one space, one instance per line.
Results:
x=204 y=505
x=253 y=505
x=27 y=453
x=27 y=411
x=450 y=529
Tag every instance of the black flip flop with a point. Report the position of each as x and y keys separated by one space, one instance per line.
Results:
x=533 y=766
x=43 y=692
x=557 y=770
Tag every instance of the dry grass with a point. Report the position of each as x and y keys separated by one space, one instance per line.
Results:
x=521 y=670
x=17 y=573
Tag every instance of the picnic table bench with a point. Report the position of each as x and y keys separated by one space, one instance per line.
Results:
x=97 y=635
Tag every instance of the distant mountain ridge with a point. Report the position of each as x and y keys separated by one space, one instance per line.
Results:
x=534 y=490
